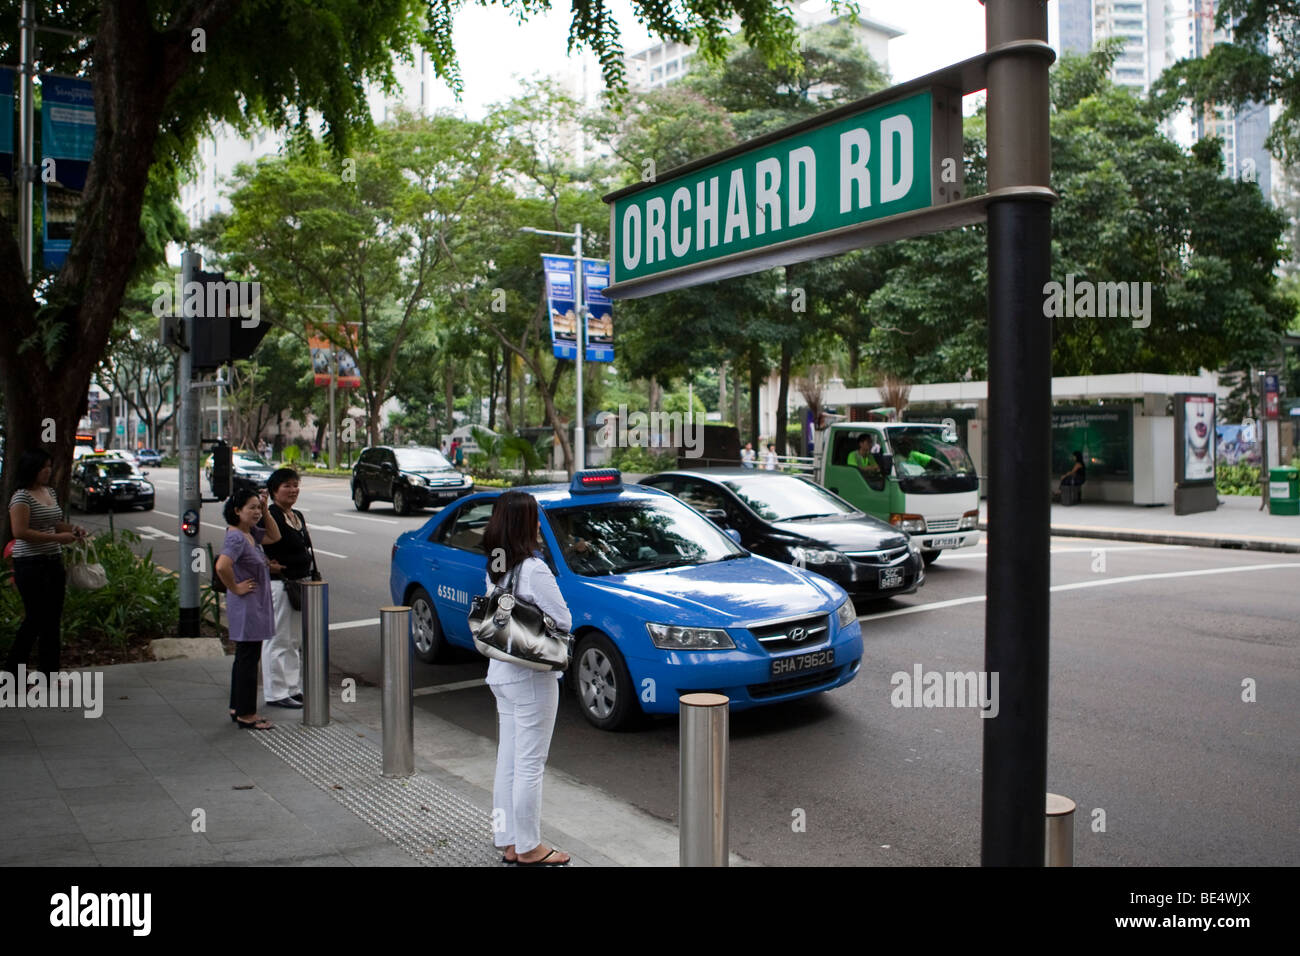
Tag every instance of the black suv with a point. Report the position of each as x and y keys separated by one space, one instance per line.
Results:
x=410 y=477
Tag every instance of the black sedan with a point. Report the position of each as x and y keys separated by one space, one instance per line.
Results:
x=107 y=481
x=790 y=519
x=410 y=477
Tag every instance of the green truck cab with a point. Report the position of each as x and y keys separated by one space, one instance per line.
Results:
x=915 y=476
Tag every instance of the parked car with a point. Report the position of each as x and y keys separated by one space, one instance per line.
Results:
x=147 y=456
x=410 y=477
x=108 y=481
x=664 y=603
x=791 y=519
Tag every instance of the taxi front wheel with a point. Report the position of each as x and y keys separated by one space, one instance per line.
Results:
x=604 y=689
x=426 y=631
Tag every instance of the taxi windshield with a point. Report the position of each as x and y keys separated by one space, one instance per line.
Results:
x=114 y=469
x=622 y=537
x=786 y=498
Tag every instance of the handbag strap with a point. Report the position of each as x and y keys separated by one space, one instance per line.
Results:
x=311 y=549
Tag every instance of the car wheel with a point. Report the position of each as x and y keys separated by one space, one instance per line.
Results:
x=604 y=689
x=929 y=557
x=149 y=506
x=359 y=499
x=426 y=631
x=400 y=505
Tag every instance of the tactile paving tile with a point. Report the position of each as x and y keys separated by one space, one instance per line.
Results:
x=435 y=825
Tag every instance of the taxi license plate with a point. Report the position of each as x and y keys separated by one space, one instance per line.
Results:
x=803 y=662
x=945 y=542
x=891 y=578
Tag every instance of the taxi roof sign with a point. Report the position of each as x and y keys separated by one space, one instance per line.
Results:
x=596 y=479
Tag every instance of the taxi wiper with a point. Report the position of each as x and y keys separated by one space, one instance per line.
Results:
x=658 y=565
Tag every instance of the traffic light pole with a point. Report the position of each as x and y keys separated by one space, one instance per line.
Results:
x=190 y=497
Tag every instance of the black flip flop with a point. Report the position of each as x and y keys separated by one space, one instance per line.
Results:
x=253 y=724
x=542 y=861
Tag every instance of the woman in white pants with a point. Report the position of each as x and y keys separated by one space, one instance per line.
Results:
x=291 y=559
x=526 y=699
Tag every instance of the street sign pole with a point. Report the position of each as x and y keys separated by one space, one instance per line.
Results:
x=190 y=498
x=1020 y=402
x=580 y=292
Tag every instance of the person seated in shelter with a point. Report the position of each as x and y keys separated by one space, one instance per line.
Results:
x=1077 y=474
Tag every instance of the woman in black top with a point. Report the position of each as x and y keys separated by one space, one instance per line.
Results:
x=39 y=532
x=291 y=559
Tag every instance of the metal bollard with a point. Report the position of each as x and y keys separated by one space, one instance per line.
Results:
x=1059 y=845
x=398 y=714
x=702 y=794
x=315 y=654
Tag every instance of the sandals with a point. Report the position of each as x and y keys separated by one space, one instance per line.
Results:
x=257 y=723
x=544 y=861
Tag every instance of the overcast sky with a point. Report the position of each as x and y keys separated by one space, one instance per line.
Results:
x=494 y=50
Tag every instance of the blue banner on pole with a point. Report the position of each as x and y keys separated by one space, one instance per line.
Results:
x=600 y=311
x=7 y=146
x=562 y=302
x=68 y=139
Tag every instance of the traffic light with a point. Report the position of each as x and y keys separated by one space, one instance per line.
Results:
x=220 y=336
x=221 y=470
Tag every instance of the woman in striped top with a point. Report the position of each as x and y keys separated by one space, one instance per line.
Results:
x=40 y=533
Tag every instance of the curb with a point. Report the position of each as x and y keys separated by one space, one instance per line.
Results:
x=1234 y=542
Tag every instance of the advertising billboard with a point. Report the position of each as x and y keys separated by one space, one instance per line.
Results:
x=1194 y=433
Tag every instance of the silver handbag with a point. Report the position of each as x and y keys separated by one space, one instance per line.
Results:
x=86 y=573
x=509 y=628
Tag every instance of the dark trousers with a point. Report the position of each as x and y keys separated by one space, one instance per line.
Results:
x=243 y=677
x=42 y=582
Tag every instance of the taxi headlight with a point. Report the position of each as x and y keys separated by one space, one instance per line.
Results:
x=806 y=556
x=847 y=613
x=668 y=637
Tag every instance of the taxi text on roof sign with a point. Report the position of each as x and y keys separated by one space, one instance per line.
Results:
x=849 y=167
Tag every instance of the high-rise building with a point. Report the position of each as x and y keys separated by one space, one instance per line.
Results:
x=664 y=63
x=1157 y=34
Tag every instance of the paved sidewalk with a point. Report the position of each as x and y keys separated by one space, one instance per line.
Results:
x=163 y=778
x=1237 y=523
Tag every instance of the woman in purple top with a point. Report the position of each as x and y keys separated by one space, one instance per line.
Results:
x=244 y=570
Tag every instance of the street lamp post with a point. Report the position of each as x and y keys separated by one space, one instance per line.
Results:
x=579 y=291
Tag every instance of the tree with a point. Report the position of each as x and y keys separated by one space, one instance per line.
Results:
x=162 y=73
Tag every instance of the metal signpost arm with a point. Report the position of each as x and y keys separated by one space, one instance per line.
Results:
x=1020 y=402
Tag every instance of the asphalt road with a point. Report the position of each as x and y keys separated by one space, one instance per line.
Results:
x=1149 y=733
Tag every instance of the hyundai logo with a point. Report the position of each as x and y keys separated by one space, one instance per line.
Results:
x=797 y=634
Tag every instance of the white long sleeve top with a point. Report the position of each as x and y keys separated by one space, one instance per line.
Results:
x=536 y=584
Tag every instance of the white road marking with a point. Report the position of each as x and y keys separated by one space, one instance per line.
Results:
x=1101 y=582
x=151 y=532
x=165 y=514
x=341 y=514
x=1141 y=547
x=330 y=553
x=330 y=527
x=444 y=688
x=341 y=625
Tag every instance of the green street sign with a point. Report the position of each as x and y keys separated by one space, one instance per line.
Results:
x=796 y=194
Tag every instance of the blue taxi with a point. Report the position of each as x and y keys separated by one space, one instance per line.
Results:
x=664 y=603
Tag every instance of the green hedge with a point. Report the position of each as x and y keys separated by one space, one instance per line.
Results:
x=1239 y=479
x=139 y=602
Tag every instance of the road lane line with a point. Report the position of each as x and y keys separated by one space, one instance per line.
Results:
x=1141 y=547
x=444 y=688
x=1101 y=583
x=164 y=514
x=153 y=532
x=341 y=625
x=343 y=514
x=330 y=527
x=330 y=553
